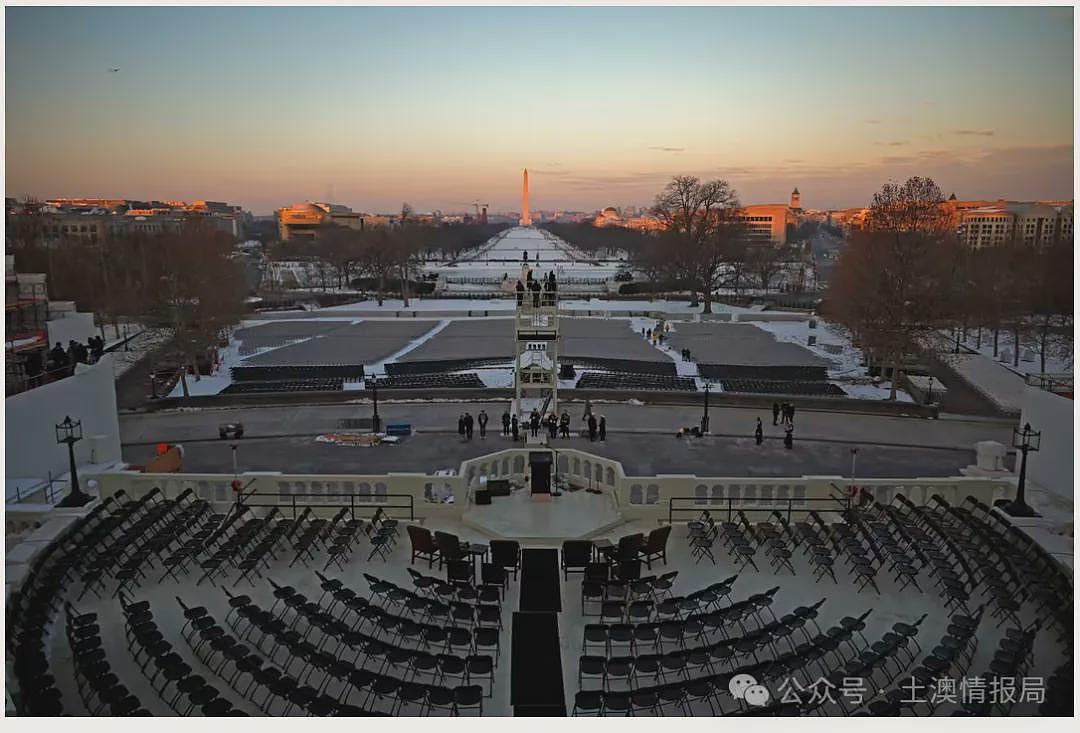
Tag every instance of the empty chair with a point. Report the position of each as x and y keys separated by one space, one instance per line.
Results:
x=423 y=545
x=576 y=555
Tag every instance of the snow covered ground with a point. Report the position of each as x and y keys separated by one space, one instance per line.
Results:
x=502 y=256
x=1029 y=354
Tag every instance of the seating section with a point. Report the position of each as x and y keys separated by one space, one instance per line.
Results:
x=297 y=373
x=431 y=645
x=468 y=380
x=440 y=366
x=717 y=372
x=648 y=382
x=625 y=366
x=306 y=385
x=781 y=387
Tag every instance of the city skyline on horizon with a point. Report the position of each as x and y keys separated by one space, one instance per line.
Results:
x=443 y=106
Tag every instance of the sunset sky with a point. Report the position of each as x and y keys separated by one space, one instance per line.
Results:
x=440 y=106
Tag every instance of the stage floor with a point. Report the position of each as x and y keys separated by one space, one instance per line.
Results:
x=574 y=515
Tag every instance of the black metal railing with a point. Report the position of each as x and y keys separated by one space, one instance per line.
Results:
x=355 y=502
x=731 y=506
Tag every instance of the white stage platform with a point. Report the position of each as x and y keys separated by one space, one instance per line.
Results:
x=573 y=515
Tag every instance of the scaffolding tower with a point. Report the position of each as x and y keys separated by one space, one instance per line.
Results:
x=536 y=356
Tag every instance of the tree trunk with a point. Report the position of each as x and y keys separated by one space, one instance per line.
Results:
x=379 y=292
x=183 y=381
x=706 y=297
x=978 y=339
x=892 y=378
x=996 y=331
x=405 y=285
x=1016 y=344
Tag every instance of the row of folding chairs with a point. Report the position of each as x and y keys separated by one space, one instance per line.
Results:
x=133 y=555
x=621 y=602
x=172 y=678
x=31 y=609
x=99 y=688
x=232 y=661
x=384 y=669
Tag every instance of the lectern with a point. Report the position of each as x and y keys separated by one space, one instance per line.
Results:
x=540 y=468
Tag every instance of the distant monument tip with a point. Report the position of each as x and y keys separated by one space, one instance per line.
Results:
x=525 y=220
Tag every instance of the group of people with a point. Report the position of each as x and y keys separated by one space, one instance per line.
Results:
x=60 y=358
x=555 y=425
x=655 y=335
x=783 y=414
x=541 y=291
x=466 y=422
x=784 y=411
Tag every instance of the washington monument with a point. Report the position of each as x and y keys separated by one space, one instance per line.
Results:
x=526 y=220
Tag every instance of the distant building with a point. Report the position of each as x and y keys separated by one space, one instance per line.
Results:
x=610 y=217
x=94 y=219
x=305 y=221
x=796 y=200
x=1031 y=224
x=772 y=223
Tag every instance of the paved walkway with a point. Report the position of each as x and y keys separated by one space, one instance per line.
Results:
x=308 y=420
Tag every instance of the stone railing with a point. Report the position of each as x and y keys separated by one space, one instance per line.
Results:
x=401 y=495
x=648 y=498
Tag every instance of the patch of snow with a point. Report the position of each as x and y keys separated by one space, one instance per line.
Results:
x=201 y=387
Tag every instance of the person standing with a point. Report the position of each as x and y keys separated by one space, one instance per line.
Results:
x=514 y=428
x=775 y=413
x=791 y=415
x=534 y=423
x=482 y=419
x=520 y=292
x=759 y=434
x=564 y=424
x=592 y=428
x=461 y=426
x=602 y=428
x=787 y=435
x=506 y=423
x=468 y=426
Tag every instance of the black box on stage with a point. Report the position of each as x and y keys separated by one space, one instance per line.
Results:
x=540 y=467
x=483 y=496
x=499 y=487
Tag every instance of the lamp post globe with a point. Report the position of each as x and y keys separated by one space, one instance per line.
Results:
x=69 y=432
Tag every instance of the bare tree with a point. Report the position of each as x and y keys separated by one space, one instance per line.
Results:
x=697 y=211
x=892 y=283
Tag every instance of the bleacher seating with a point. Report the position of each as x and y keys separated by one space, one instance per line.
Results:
x=440 y=366
x=469 y=380
x=781 y=387
x=297 y=372
x=307 y=385
x=653 y=382
x=626 y=366
x=739 y=371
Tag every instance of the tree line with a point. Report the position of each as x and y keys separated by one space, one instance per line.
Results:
x=704 y=246
x=186 y=282
x=907 y=282
x=385 y=255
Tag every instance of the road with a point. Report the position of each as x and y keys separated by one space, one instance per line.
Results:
x=641 y=436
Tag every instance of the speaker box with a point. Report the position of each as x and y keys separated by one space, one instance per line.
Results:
x=499 y=487
x=482 y=496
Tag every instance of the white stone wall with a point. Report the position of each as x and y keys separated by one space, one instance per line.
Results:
x=73 y=326
x=30 y=420
x=1052 y=466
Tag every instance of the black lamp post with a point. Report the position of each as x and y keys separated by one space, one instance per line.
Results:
x=1024 y=440
x=930 y=392
x=375 y=422
x=71 y=433
x=705 y=414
